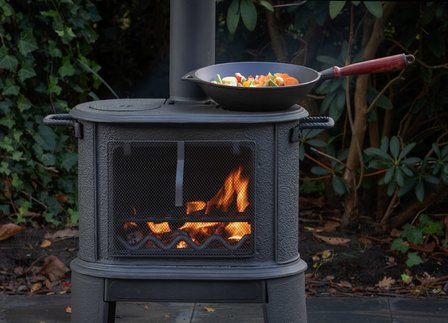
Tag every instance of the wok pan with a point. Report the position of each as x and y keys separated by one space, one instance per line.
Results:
x=282 y=97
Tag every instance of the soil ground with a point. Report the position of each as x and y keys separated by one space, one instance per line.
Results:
x=36 y=261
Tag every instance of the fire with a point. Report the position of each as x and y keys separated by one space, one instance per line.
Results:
x=236 y=187
x=195 y=206
x=159 y=228
x=237 y=230
x=234 y=191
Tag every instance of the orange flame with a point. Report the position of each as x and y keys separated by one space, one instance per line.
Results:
x=234 y=185
x=195 y=206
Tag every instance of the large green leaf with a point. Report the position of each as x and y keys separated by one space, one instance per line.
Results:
x=338 y=185
x=394 y=146
x=374 y=7
x=335 y=7
x=267 y=5
x=233 y=16
x=373 y=151
x=248 y=14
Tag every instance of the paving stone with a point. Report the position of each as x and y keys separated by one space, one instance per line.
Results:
x=52 y=309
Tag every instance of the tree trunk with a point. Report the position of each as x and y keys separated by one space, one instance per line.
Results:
x=351 y=211
x=276 y=37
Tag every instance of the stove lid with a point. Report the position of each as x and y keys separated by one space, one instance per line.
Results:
x=163 y=111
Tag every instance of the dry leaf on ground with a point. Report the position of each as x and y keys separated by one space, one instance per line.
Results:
x=35 y=287
x=45 y=243
x=53 y=268
x=62 y=234
x=334 y=241
x=386 y=282
x=9 y=229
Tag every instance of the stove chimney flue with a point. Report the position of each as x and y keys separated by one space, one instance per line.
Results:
x=192 y=44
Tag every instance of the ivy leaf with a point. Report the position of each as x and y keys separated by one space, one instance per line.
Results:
x=411 y=234
x=69 y=160
x=67 y=68
x=249 y=14
x=26 y=72
x=53 y=50
x=335 y=8
x=233 y=16
x=399 y=245
x=7 y=62
x=53 y=86
x=374 y=7
x=27 y=42
x=413 y=259
x=7 y=122
x=10 y=88
x=23 y=103
x=46 y=137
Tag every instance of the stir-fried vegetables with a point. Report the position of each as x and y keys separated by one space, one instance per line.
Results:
x=276 y=79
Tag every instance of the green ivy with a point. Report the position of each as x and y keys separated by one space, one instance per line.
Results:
x=417 y=235
x=41 y=43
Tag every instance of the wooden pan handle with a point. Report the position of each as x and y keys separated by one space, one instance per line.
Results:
x=383 y=64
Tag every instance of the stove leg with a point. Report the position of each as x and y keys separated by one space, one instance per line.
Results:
x=286 y=300
x=88 y=303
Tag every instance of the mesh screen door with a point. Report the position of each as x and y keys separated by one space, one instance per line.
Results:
x=191 y=198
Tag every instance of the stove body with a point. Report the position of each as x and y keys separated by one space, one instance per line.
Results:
x=187 y=202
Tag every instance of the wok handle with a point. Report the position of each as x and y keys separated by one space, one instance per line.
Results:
x=383 y=64
x=310 y=123
x=64 y=119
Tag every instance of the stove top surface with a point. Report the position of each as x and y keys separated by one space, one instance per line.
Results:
x=160 y=110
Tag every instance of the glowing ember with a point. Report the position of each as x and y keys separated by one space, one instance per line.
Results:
x=130 y=225
x=182 y=245
x=237 y=230
x=159 y=228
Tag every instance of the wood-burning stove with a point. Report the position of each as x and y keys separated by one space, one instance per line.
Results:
x=180 y=200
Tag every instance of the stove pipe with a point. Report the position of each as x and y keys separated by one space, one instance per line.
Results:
x=192 y=45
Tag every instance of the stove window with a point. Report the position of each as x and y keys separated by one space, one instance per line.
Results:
x=191 y=198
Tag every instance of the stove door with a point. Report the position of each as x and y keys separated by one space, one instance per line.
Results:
x=181 y=198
